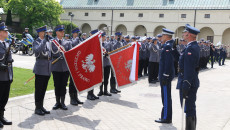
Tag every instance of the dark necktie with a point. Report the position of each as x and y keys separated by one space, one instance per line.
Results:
x=4 y=44
x=103 y=44
x=59 y=42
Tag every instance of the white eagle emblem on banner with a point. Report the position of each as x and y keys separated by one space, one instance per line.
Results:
x=128 y=65
x=88 y=64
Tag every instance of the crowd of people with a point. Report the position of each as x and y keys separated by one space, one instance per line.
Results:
x=161 y=58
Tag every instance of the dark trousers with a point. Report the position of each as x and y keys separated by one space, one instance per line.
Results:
x=72 y=88
x=153 y=71
x=112 y=80
x=60 y=83
x=212 y=60
x=176 y=67
x=146 y=63
x=41 y=83
x=141 y=67
x=223 y=60
x=4 y=93
x=166 y=112
x=220 y=58
x=106 y=79
x=190 y=102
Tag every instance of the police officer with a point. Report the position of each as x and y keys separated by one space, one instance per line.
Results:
x=84 y=36
x=188 y=81
x=212 y=54
x=91 y=95
x=153 y=67
x=117 y=45
x=142 y=57
x=176 y=56
x=159 y=36
x=222 y=55
x=50 y=33
x=6 y=73
x=42 y=69
x=66 y=36
x=72 y=89
x=127 y=40
x=146 y=42
x=24 y=37
x=133 y=39
x=112 y=40
x=166 y=75
x=25 y=32
x=59 y=69
x=106 y=65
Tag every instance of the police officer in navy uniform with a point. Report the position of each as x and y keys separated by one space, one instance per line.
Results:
x=166 y=75
x=42 y=69
x=223 y=55
x=106 y=65
x=6 y=73
x=153 y=67
x=72 y=89
x=116 y=45
x=91 y=95
x=188 y=81
x=59 y=69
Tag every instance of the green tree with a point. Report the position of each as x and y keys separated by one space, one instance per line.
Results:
x=36 y=13
x=68 y=26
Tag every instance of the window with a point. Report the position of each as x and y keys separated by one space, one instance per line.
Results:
x=161 y=15
x=140 y=15
x=183 y=15
x=210 y=38
x=122 y=14
x=86 y=14
x=207 y=16
x=103 y=14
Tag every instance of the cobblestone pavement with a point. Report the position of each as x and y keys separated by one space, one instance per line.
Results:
x=135 y=108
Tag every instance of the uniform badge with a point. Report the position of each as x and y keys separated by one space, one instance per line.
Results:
x=167 y=50
x=189 y=53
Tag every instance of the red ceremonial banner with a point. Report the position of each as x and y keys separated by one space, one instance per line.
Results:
x=122 y=63
x=86 y=64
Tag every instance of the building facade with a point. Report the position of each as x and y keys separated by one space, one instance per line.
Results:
x=148 y=17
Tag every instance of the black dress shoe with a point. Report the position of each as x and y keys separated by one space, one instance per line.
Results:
x=146 y=75
x=45 y=111
x=118 y=91
x=76 y=98
x=63 y=106
x=95 y=97
x=73 y=101
x=90 y=97
x=163 y=121
x=107 y=94
x=100 y=93
x=56 y=106
x=113 y=91
x=38 y=112
x=1 y=125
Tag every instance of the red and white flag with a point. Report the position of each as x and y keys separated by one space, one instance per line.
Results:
x=85 y=63
x=125 y=64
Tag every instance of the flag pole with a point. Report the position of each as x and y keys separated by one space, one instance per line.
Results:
x=56 y=60
x=183 y=104
x=119 y=48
